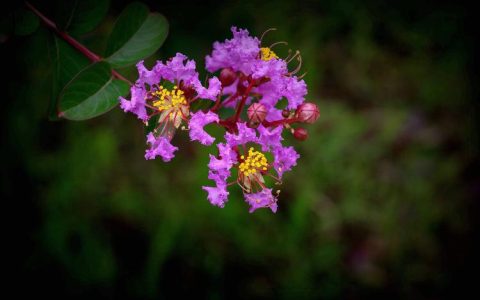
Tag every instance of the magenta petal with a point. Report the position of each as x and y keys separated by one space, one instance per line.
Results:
x=270 y=138
x=136 y=104
x=159 y=147
x=284 y=159
x=217 y=195
x=197 y=121
x=245 y=135
x=239 y=53
x=264 y=198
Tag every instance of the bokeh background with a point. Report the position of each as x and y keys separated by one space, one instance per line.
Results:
x=383 y=202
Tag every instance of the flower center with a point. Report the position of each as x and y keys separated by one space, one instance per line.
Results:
x=253 y=163
x=267 y=54
x=169 y=99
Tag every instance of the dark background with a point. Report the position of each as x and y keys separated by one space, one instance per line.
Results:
x=383 y=202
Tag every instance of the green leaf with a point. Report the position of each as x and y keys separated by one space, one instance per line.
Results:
x=67 y=62
x=137 y=34
x=80 y=17
x=91 y=93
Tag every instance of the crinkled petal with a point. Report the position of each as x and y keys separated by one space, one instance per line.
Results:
x=274 y=114
x=214 y=87
x=146 y=76
x=271 y=68
x=227 y=154
x=160 y=146
x=245 y=135
x=220 y=176
x=197 y=121
x=264 y=198
x=284 y=159
x=217 y=195
x=218 y=164
x=177 y=69
x=239 y=53
x=136 y=104
x=295 y=91
x=269 y=138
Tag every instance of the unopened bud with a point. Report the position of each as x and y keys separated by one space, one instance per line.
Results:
x=256 y=113
x=307 y=112
x=227 y=76
x=300 y=134
x=285 y=113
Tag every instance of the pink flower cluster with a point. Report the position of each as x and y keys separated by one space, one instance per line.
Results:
x=250 y=75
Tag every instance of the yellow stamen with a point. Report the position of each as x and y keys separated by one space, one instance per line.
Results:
x=169 y=99
x=267 y=54
x=254 y=162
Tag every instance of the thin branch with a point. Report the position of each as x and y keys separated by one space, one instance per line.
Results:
x=77 y=45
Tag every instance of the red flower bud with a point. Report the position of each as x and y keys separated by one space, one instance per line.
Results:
x=256 y=113
x=227 y=76
x=285 y=113
x=300 y=134
x=307 y=112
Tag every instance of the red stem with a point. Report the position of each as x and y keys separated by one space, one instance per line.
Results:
x=219 y=103
x=279 y=122
x=242 y=102
x=84 y=50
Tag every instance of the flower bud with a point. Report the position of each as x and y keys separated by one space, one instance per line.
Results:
x=300 y=134
x=307 y=112
x=285 y=113
x=227 y=76
x=256 y=113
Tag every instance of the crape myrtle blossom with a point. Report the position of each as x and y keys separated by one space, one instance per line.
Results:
x=245 y=55
x=252 y=166
x=252 y=79
x=166 y=91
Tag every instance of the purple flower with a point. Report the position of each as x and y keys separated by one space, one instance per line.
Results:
x=239 y=53
x=243 y=136
x=264 y=198
x=284 y=159
x=197 y=121
x=176 y=70
x=269 y=138
x=159 y=146
x=217 y=195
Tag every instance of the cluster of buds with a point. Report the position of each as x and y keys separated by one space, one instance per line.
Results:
x=251 y=77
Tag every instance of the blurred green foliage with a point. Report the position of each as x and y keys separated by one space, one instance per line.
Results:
x=377 y=206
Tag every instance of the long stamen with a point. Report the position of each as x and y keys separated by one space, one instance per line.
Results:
x=278 y=180
x=301 y=76
x=265 y=32
x=295 y=55
x=288 y=56
x=277 y=43
x=298 y=67
x=241 y=185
